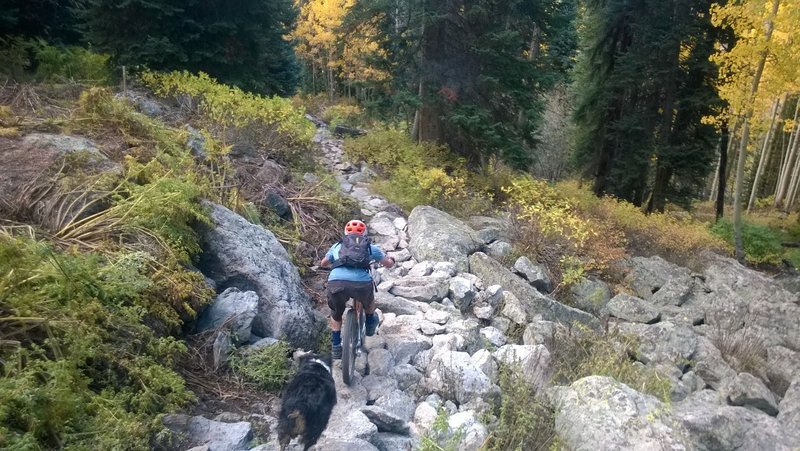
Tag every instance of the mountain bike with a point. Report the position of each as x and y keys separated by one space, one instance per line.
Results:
x=354 y=332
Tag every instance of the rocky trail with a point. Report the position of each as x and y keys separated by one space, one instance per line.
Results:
x=452 y=314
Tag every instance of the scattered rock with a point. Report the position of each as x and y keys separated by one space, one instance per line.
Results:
x=747 y=390
x=233 y=308
x=499 y=250
x=533 y=362
x=631 y=308
x=535 y=274
x=424 y=289
x=385 y=421
x=461 y=292
x=453 y=375
x=214 y=434
x=590 y=295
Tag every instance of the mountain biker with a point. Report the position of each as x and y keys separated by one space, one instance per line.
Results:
x=350 y=278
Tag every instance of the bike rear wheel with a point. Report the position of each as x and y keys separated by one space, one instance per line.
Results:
x=349 y=341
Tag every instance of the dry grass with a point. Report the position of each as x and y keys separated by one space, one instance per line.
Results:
x=741 y=347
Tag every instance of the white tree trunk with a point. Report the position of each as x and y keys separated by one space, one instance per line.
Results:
x=765 y=151
x=786 y=167
x=791 y=193
x=737 y=206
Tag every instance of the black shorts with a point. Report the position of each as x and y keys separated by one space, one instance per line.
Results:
x=340 y=291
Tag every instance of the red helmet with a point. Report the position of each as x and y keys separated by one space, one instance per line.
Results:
x=355 y=226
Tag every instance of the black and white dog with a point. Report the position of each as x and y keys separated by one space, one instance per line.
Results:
x=307 y=402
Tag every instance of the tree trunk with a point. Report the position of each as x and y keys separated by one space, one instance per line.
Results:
x=725 y=142
x=793 y=182
x=764 y=155
x=737 y=207
x=785 y=169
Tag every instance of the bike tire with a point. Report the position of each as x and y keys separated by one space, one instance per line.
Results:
x=349 y=339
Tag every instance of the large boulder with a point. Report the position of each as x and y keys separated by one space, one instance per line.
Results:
x=648 y=275
x=535 y=274
x=663 y=343
x=531 y=301
x=423 y=289
x=233 y=308
x=748 y=390
x=789 y=415
x=631 y=308
x=783 y=365
x=590 y=295
x=454 y=376
x=710 y=425
x=599 y=413
x=237 y=253
x=216 y=435
x=438 y=236
x=532 y=361
x=751 y=301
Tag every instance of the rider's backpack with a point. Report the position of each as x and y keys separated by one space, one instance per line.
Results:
x=354 y=252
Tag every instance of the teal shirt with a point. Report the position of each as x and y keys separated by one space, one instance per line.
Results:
x=351 y=274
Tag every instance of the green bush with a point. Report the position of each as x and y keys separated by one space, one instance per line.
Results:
x=72 y=63
x=80 y=369
x=524 y=421
x=268 y=367
x=761 y=244
x=586 y=353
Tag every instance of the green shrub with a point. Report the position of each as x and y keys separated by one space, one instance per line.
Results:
x=761 y=244
x=80 y=369
x=524 y=421
x=440 y=438
x=343 y=113
x=268 y=367
x=72 y=63
x=586 y=353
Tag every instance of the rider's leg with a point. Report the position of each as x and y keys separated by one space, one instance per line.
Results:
x=372 y=318
x=337 y=301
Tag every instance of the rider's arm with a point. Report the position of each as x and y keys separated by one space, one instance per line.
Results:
x=325 y=263
x=387 y=261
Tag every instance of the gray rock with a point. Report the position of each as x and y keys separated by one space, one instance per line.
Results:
x=406 y=375
x=789 y=415
x=342 y=444
x=489 y=234
x=378 y=386
x=437 y=236
x=386 y=441
x=500 y=250
x=493 y=336
x=397 y=403
x=214 y=434
x=540 y=332
x=465 y=425
x=406 y=345
x=748 y=390
x=535 y=274
x=649 y=274
x=483 y=359
x=710 y=365
x=221 y=348
x=400 y=256
x=385 y=421
x=275 y=202
x=55 y=146
x=514 y=309
x=599 y=413
x=272 y=173
x=452 y=375
x=445 y=269
x=196 y=143
x=461 y=292
x=631 y=308
x=400 y=223
x=310 y=178
x=712 y=427
x=531 y=301
x=239 y=253
x=233 y=308
x=380 y=362
x=437 y=316
x=348 y=426
x=424 y=289
x=501 y=226
x=590 y=295
x=346 y=186
x=783 y=365
x=421 y=269
x=424 y=417
x=532 y=361
x=389 y=303
x=663 y=343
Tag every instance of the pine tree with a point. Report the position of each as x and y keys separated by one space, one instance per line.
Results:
x=643 y=85
x=51 y=20
x=241 y=44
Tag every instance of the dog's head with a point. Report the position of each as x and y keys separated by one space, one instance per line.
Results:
x=316 y=359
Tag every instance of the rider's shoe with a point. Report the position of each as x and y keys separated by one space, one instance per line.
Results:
x=336 y=352
x=371 y=324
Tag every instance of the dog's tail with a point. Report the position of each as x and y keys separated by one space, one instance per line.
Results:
x=298 y=423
